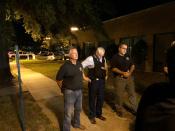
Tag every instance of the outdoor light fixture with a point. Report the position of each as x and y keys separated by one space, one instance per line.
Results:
x=47 y=38
x=74 y=29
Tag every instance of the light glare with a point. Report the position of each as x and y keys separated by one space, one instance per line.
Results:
x=74 y=29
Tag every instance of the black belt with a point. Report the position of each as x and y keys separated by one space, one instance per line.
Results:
x=121 y=76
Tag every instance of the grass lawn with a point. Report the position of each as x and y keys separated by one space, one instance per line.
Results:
x=9 y=119
x=45 y=67
x=35 y=120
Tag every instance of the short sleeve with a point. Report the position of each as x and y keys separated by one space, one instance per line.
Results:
x=88 y=62
x=113 y=61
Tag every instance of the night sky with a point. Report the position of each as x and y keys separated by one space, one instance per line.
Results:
x=115 y=8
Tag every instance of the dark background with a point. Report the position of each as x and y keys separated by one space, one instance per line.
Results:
x=114 y=8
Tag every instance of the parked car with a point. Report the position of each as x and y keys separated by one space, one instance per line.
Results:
x=66 y=56
x=50 y=56
x=46 y=55
x=59 y=55
x=43 y=53
x=22 y=55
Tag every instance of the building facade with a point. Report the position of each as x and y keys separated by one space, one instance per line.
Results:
x=148 y=32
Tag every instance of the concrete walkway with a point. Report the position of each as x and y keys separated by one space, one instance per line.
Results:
x=46 y=92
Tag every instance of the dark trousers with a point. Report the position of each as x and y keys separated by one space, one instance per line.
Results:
x=96 y=97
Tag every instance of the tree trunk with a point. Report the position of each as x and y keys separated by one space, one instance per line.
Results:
x=5 y=73
x=6 y=40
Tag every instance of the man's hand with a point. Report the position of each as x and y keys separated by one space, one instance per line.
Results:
x=86 y=78
x=103 y=68
x=126 y=74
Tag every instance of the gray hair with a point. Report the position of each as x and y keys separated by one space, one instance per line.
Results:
x=71 y=48
x=100 y=51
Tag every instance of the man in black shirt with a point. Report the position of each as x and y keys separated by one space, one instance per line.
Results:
x=69 y=79
x=122 y=68
x=156 y=110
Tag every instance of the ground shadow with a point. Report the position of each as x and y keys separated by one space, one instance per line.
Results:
x=56 y=105
x=8 y=83
x=110 y=97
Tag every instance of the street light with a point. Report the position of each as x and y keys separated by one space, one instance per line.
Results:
x=74 y=28
x=47 y=38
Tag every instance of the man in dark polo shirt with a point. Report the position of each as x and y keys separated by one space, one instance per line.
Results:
x=156 y=110
x=69 y=79
x=122 y=68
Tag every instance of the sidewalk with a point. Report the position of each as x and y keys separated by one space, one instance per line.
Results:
x=47 y=94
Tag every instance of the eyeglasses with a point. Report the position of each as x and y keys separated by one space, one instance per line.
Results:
x=123 y=48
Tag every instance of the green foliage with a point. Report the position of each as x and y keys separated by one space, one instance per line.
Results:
x=6 y=28
x=53 y=17
x=44 y=16
x=7 y=36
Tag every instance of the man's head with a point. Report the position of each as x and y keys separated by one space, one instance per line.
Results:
x=173 y=43
x=100 y=52
x=170 y=58
x=73 y=53
x=122 y=49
